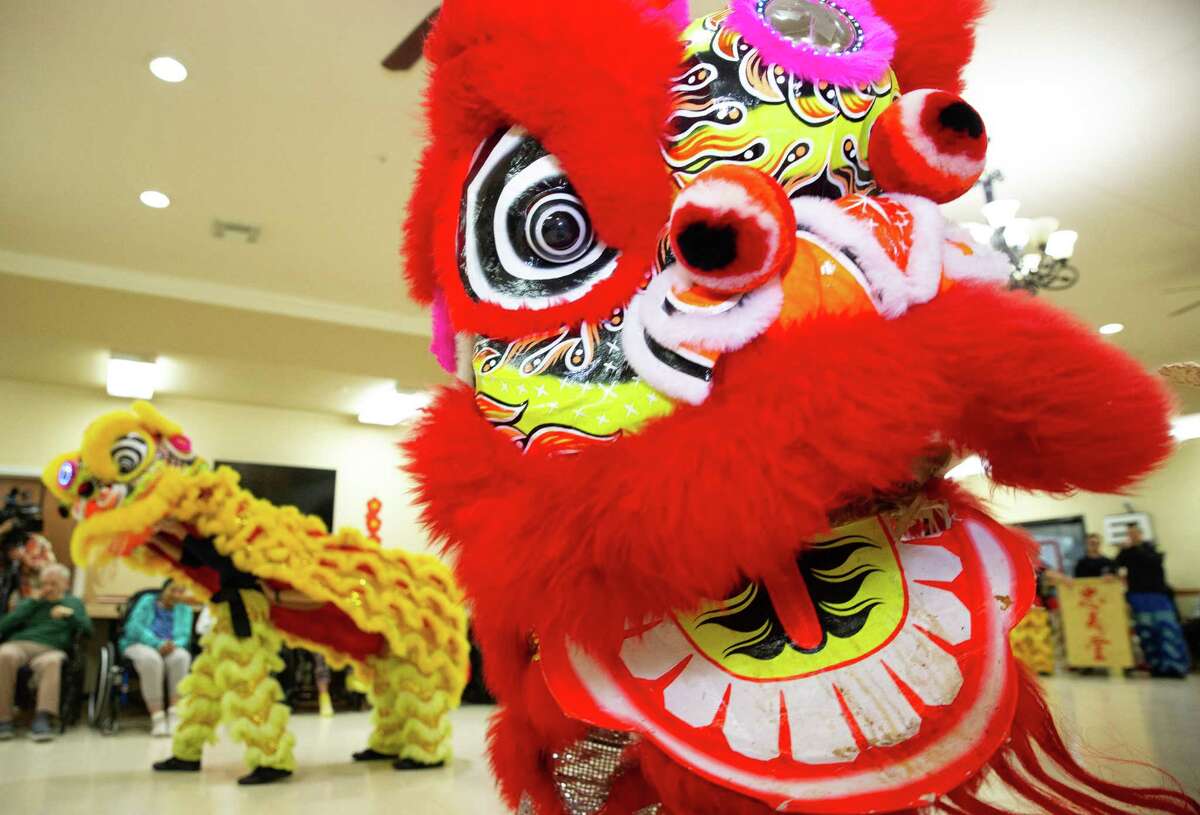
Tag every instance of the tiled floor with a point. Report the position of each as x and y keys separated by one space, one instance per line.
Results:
x=1156 y=721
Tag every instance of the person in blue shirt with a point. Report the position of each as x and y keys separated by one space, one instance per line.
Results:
x=156 y=638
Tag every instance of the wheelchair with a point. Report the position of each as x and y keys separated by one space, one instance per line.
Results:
x=116 y=677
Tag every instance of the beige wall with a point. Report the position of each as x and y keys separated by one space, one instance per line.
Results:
x=1171 y=496
x=39 y=421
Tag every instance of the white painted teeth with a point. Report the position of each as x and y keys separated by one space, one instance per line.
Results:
x=931 y=673
x=923 y=561
x=939 y=612
x=820 y=734
x=751 y=717
x=882 y=714
x=696 y=694
x=655 y=652
x=820 y=725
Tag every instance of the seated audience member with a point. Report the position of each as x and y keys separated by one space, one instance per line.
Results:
x=1155 y=617
x=156 y=639
x=1094 y=564
x=38 y=633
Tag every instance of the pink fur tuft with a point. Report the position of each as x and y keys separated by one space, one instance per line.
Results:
x=867 y=64
x=442 y=344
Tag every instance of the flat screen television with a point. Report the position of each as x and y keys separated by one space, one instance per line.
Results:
x=309 y=490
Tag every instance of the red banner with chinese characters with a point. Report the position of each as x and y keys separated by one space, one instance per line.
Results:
x=1096 y=623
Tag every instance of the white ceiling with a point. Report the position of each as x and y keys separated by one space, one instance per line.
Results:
x=288 y=122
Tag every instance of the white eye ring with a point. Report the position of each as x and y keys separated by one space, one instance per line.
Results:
x=129 y=452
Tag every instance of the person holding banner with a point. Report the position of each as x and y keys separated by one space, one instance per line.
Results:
x=1094 y=564
x=1155 y=617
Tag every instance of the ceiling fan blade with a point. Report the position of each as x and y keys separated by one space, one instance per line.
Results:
x=405 y=55
x=1185 y=309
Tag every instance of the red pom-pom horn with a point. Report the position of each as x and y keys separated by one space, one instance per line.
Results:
x=930 y=143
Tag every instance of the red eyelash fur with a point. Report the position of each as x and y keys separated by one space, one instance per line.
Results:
x=934 y=40
x=592 y=85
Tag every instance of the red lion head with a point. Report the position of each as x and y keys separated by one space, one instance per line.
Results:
x=713 y=313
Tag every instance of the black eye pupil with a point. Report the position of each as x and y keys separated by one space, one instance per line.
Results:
x=560 y=231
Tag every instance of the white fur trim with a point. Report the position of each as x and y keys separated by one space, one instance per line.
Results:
x=912 y=105
x=658 y=374
x=727 y=329
x=721 y=197
x=985 y=264
x=924 y=270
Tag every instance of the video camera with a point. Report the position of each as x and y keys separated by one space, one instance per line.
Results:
x=25 y=515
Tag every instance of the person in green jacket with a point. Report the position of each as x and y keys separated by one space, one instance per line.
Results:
x=38 y=633
x=156 y=638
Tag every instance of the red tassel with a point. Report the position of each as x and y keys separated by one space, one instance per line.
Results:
x=1037 y=766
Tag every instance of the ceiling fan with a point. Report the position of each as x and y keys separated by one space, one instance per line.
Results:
x=1190 y=306
x=408 y=53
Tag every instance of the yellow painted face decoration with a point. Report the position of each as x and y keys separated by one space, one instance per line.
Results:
x=857 y=603
x=731 y=105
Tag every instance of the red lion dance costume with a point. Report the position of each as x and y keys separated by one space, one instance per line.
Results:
x=720 y=343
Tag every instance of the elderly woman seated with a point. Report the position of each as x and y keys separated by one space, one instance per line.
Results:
x=38 y=633
x=155 y=639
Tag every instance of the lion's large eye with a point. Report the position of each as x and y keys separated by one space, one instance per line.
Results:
x=558 y=229
x=129 y=452
x=526 y=240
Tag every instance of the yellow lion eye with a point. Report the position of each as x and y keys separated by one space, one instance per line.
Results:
x=129 y=452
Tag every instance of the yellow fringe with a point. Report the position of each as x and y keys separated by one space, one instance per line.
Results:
x=231 y=682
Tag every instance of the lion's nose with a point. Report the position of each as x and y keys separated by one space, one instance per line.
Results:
x=733 y=229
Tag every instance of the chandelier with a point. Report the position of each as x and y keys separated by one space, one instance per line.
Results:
x=1040 y=252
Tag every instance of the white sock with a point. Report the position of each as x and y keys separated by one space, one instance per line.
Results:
x=158 y=717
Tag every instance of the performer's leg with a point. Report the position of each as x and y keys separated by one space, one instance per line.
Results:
x=200 y=701
x=382 y=745
x=411 y=714
x=321 y=675
x=251 y=696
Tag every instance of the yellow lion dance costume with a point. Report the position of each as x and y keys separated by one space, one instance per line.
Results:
x=273 y=576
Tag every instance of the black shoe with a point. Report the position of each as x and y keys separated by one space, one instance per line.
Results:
x=410 y=764
x=263 y=775
x=372 y=755
x=177 y=765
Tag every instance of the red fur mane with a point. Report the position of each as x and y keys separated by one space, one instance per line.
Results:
x=934 y=40
x=593 y=88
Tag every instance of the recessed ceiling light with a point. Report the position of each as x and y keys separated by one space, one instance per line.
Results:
x=155 y=199
x=131 y=377
x=1186 y=428
x=390 y=407
x=168 y=69
x=1112 y=328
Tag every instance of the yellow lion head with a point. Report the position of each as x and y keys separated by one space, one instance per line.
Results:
x=114 y=483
